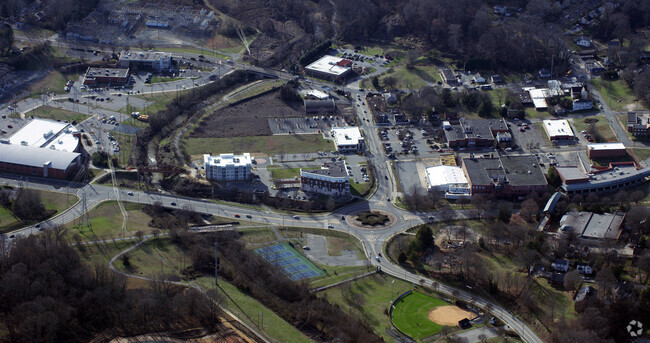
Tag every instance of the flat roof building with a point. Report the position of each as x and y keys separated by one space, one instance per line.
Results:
x=605 y=150
x=228 y=167
x=593 y=226
x=332 y=179
x=476 y=132
x=146 y=60
x=348 y=139
x=622 y=175
x=448 y=179
x=448 y=76
x=505 y=176
x=538 y=96
x=34 y=161
x=558 y=130
x=48 y=134
x=109 y=76
x=329 y=68
x=638 y=123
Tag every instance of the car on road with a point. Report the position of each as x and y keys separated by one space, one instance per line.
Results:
x=10 y=126
x=237 y=216
x=430 y=217
x=12 y=236
x=305 y=247
x=130 y=193
x=330 y=226
x=296 y=217
x=387 y=198
x=249 y=216
x=173 y=204
x=378 y=258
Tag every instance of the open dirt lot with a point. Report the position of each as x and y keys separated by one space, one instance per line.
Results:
x=449 y=315
x=249 y=118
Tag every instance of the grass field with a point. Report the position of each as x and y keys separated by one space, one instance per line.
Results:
x=48 y=112
x=54 y=81
x=411 y=315
x=254 y=89
x=125 y=142
x=418 y=77
x=601 y=125
x=613 y=91
x=376 y=290
x=258 y=145
x=106 y=222
x=51 y=200
x=641 y=154
x=359 y=189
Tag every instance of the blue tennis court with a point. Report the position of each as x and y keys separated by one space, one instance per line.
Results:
x=294 y=265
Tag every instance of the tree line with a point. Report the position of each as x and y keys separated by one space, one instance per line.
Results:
x=48 y=294
x=292 y=301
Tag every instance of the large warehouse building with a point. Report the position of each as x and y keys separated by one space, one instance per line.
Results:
x=43 y=148
x=559 y=130
x=330 y=68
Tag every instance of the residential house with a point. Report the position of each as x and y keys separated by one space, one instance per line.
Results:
x=582 y=104
x=584 y=268
x=497 y=79
x=560 y=265
x=583 y=41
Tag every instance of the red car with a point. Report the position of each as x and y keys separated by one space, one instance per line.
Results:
x=237 y=216
x=10 y=126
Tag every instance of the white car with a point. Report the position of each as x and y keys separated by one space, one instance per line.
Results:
x=296 y=217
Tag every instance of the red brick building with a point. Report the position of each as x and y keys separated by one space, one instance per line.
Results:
x=111 y=76
x=332 y=179
x=505 y=176
x=606 y=150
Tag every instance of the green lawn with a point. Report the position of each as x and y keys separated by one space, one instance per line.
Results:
x=251 y=90
x=161 y=79
x=7 y=220
x=48 y=112
x=418 y=77
x=376 y=292
x=278 y=172
x=257 y=235
x=641 y=153
x=51 y=200
x=54 y=81
x=258 y=145
x=106 y=222
x=601 y=125
x=158 y=102
x=100 y=254
x=411 y=315
x=612 y=91
x=359 y=189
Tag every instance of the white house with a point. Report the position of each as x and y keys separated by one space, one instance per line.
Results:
x=584 y=268
x=228 y=167
x=560 y=265
x=583 y=41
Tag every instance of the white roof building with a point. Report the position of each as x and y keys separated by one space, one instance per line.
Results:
x=539 y=95
x=47 y=134
x=318 y=94
x=558 y=129
x=348 y=138
x=606 y=146
x=448 y=179
x=328 y=66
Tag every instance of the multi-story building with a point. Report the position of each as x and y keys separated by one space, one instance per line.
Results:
x=638 y=123
x=112 y=76
x=158 y=61
x=606 y=150
x=618 y=176
x=506 y=176
x=228 y=167
x=332 y=179
x=348 y=139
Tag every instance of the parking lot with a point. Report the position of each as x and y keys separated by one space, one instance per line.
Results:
x=414 y=141
x=531 y=138
x=315 y=124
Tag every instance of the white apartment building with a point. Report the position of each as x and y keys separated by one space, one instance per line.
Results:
x=228 y=167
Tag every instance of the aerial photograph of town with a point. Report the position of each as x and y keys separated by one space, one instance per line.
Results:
x=275 y=171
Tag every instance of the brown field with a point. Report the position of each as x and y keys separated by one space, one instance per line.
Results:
x=249 y=118
x=449 y=315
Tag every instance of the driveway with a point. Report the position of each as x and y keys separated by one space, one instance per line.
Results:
x=318 y=252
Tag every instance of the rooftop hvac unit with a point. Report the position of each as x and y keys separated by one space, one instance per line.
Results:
x=52 y=147
x=23 y=143
x=48 y=134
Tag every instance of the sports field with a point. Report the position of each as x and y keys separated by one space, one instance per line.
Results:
x=296 y=266
x=411 y=315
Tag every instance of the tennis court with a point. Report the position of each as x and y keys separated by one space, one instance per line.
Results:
x=296 y=266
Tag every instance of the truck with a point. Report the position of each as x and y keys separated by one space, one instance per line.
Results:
x=135 y=114
x=143 y=117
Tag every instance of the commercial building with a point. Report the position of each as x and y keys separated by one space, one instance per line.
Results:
x=228 y=167
x=47 y=134
x=638 y=123
x=330 y=68
x=621 y=175
x=538 y=97
x=448 y=77
x=449 y=180
x=606 y=150
x=321 y=107
x=464 y=133
x=592 y=226
x=558 y=130
x=34 y=161
x=332 y=179
x=158 y=61
x=348 y=139
x=505 y=176
x=109 y=76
